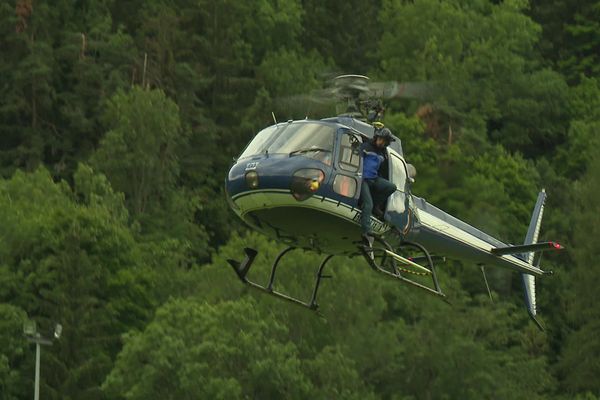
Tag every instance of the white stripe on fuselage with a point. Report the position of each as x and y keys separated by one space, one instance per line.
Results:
x=438 y=225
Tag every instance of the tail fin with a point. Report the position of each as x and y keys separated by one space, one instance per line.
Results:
x=531 y=238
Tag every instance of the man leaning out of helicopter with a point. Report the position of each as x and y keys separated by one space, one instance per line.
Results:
x=375 y=190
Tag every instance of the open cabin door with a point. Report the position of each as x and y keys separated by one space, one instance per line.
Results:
x=398 y=212
x=348 y=177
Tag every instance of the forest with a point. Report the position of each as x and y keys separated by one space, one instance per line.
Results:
x=119 y=121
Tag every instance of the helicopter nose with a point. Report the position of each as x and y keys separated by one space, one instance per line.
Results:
x=296 y=176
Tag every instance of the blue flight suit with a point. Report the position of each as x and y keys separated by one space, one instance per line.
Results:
x=374 y=190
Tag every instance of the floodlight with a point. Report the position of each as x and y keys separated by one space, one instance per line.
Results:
x=57 y=331
x=29 y=328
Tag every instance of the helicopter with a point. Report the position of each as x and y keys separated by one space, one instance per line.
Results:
x=299 y=181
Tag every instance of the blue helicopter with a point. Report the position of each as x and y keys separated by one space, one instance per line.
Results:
x=298 y=182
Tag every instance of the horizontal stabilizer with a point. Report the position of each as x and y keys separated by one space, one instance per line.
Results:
x=526 y=248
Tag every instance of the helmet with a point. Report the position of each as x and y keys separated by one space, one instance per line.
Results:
x=384 y=133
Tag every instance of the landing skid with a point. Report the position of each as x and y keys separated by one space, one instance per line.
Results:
x=384 y=261
x=241 y=269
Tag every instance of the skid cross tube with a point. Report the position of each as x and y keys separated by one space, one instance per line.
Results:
x=241 y=269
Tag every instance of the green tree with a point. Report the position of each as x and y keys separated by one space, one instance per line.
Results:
x=194 y=349
x=139 y=157
x=385 y=333
x=582 y=138
x=13 y=345
x=585 y=34
x=138 y=153
x=481 y=57
x=579 y=362
x=571 y=33
x=347 y=31
x=27 y=103
x=74 y=264
x=62 y=62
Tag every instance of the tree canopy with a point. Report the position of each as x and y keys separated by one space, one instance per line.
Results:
x=119 y=121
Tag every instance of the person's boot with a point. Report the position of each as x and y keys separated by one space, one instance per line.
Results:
x=367 y=241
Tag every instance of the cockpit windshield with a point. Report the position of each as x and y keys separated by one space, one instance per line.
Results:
x=308 y=139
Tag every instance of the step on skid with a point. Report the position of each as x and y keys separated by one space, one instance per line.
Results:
x=392 y=264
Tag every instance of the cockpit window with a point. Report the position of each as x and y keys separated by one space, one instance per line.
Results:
x=349 y=155
x=259 y=142
x=313 y=140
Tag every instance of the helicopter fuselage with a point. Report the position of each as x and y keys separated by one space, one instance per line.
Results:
x=299 y=182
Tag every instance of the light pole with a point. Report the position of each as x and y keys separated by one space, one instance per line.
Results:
x=31 y=333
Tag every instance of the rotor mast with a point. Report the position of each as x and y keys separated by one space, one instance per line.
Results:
x=356 y=96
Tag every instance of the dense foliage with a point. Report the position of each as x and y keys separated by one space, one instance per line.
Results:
x=119 y=119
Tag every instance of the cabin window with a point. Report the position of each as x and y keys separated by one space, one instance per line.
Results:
x=349 y=155
x=344 y=185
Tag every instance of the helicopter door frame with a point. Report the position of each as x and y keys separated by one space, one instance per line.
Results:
x=397 y=160
x=397 y=209
x=350 y=169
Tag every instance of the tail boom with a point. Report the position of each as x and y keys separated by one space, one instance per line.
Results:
x=445 y=234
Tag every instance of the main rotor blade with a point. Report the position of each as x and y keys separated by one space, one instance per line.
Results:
x=403 y=90
x=301 y=106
